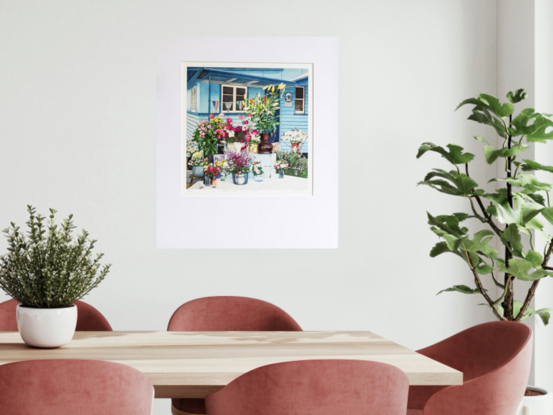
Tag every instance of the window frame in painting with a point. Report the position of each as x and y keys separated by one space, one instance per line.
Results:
x=234 y=102
x=302 y=100
x=194 y=99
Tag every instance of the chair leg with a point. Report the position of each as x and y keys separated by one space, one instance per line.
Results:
x=176 y=411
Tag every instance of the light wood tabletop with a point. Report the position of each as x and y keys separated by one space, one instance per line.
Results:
x=195 y=364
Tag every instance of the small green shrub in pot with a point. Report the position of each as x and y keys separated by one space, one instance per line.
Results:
x=46 y=269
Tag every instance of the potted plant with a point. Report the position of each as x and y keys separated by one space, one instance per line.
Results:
x=280 y=165
x=295 y=137
x=192 y=150
x=208 y=135
x=212 y=172
x=257 y=169
x=511 y=214
x=47 y=270
x=197 y=163
x=263 y=112
x=239 y=165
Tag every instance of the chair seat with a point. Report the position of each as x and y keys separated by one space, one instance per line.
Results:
x=187 y=406
x=414 y=412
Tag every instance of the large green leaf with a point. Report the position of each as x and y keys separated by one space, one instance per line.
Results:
x=527 y=181
x=461 y=289
x=535 y=258
x=548 y=214
x=493 y=104
x=455 y=154
x=511 y=238
x=522 y=213
x=516 y=96
x=456 y=184
x=491 y=153
x=531 y=165
x=448 y=224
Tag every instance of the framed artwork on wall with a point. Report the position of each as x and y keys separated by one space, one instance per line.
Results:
x=247 y=133
x=257 y=141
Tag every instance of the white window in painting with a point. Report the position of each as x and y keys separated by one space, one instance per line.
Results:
x=193 y=99
x=300 y=100
x=232 y=97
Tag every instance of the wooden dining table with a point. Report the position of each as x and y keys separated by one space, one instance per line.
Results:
x=195 y=364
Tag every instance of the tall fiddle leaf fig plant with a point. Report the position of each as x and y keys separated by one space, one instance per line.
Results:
x=512 y=214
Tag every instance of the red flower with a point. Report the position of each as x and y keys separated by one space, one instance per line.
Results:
x=229 y=120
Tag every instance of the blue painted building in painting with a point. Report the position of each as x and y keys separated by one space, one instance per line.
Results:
x=220 y=90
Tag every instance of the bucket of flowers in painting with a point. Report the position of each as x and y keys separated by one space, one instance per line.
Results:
x=239 y=164
x=240 y=179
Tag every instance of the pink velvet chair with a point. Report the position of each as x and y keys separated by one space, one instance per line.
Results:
x=495 y=360
x=73 y=387
x=314 y=387
x=225 y=314
x=89 y=319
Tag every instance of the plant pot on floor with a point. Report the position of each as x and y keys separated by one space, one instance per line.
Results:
x=538 y=404
x=46 y=327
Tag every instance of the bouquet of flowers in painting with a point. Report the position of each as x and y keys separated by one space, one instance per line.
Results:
x=238 y=117
x=257 y=168
x=296 y=138
x=280 y=165
x=212 y=171
x=239 y=162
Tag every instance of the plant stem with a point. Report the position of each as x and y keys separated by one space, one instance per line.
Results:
x=534 y=286
x=488 y=217
x=509 y=293
x=483 y=291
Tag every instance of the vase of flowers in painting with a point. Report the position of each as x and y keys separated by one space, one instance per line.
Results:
x=239 y=164
x=211 y=173
x=280 y=165
x=263 y=113
x=257 y=170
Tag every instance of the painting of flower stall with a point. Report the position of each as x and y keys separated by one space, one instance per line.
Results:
x=246 y=129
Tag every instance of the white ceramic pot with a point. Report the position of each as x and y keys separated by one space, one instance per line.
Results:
x=536 y=405
x=46 y=327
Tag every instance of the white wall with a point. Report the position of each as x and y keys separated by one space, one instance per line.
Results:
x=77 y=133
x=544 y=103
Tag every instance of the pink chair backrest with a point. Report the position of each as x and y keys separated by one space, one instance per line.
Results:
x=72 y=387
x=495 y=359
x=482 y=348
x=231 y=314
x=89 y=319
x=314 y=387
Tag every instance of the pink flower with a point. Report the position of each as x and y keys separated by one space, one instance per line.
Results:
x=244 y=128
x=247 y=139
x=248 y=136
x=245 y=122
x=254 y=132
x=211 y=116
x=229 y=120
x=249 y=115
x=210 y=127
